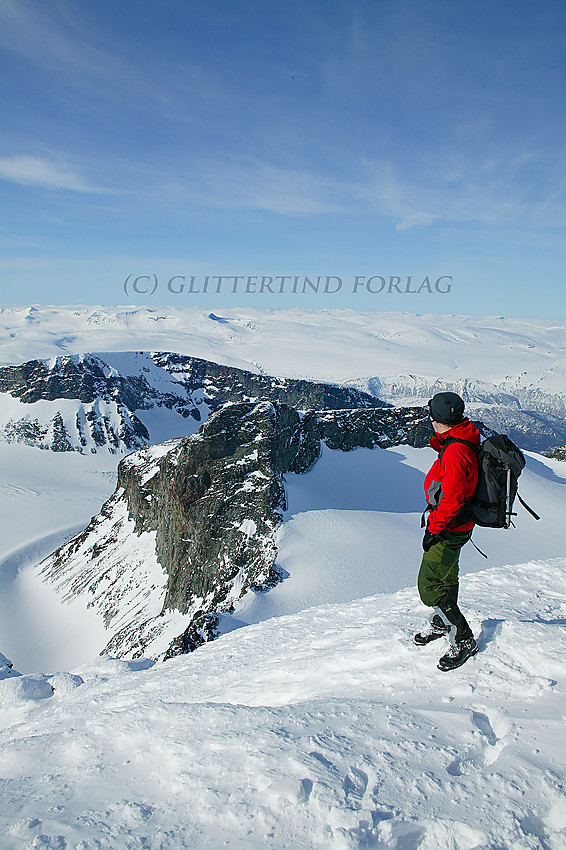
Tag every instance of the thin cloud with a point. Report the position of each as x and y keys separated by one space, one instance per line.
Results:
x=44 y=40
x=85 y=65
x=495 y=191
x=442 y=191
x=43 y=173
x=254 y=184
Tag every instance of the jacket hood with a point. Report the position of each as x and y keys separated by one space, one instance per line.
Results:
x=464 y=430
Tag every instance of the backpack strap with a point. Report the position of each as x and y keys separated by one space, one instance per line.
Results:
x=524 y=504
x=457 y=440
x=477 y=548
x=476 y=449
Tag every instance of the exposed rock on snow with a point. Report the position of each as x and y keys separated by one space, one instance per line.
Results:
x=513 y=369
x=89 y=402
x=114 y=402
x=222 y=384
x=6 y=668
x=559 y=453
x=191 y=526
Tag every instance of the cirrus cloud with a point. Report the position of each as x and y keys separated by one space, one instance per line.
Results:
x=37 y=171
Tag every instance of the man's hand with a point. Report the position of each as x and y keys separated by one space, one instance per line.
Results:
x=430 y=540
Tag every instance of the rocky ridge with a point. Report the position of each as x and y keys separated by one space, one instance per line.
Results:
x=191 y=525
x=90 y=403
x=559 y=453
x=118 y=402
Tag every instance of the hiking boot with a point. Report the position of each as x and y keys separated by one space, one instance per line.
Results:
x=458 y=654
x=448 y=607
x=437 y=629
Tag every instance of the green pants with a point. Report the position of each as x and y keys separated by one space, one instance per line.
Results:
x=439 y=567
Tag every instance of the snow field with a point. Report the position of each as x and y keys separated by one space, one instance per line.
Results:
x=327 y=728
x=322 y=345
x=46 y=498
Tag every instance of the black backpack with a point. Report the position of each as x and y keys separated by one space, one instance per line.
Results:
x=500 y=463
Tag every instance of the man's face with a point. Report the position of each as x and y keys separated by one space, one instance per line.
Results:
x=439 y=427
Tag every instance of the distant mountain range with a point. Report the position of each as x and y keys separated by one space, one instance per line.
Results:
x=534 y=419
x=512 y=372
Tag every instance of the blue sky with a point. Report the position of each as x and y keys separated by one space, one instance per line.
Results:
x=377 y=139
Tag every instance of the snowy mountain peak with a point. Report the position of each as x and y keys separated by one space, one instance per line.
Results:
x=312 y=721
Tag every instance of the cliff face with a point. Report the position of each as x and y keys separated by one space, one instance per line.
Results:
x=90 y=403
x=221 y=384
x=192 y=523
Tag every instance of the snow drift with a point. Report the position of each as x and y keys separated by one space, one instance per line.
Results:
x=327 y=728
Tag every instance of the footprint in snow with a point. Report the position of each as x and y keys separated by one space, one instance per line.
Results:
x=491 y=745
x=355 y=783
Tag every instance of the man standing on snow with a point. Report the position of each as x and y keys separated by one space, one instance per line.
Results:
x=449 y=483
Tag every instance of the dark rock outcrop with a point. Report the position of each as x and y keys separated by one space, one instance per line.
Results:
x=201 y=513
x=558 y=453
x=109 y=400
x=222 y=384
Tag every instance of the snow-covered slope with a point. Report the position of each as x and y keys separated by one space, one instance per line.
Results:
x=45 y=499
x=324 y=729
x=353 y=529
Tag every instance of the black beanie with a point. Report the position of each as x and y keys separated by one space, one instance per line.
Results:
x=447 y=408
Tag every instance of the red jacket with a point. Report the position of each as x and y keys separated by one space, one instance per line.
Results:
x=452 y=479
